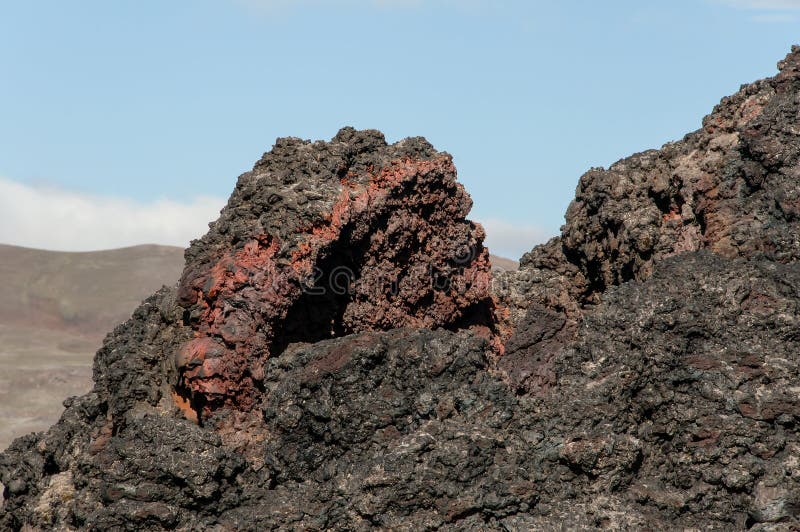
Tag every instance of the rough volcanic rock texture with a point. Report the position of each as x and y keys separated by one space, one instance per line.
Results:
x=322 y=240
x=674 y=407
x=676 y=404
x=648 y=376
x=731 y=187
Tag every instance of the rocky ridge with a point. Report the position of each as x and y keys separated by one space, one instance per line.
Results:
x=639 y=371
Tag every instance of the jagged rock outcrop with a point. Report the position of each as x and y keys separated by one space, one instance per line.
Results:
x=731 y=187
x=322 y=240
x=639 y=371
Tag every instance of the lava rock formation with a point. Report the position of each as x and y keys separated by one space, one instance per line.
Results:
x=338 y=355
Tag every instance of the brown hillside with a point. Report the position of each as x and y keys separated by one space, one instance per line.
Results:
x=55 y=308
x=82 y=293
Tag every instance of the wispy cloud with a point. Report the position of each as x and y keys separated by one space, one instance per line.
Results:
x=767 y=5
x=776 y=17
x=278 y=5
x=511 y=240
x=52 y=218
x=767 y=10
x=271 y=6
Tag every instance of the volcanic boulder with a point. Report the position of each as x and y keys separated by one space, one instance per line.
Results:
x=322 y=240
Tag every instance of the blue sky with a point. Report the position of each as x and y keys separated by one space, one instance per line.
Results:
x=149 y=103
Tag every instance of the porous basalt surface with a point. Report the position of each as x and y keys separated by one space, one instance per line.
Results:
x=638 y=372
x=322 y=240
x=731 y=187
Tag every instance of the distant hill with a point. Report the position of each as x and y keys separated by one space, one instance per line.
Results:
x=55 y=309
x=500 y=263
x=81 y=293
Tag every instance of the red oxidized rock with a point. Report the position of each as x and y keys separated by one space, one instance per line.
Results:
x=326 y=239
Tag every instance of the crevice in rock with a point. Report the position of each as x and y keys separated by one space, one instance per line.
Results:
x=388 y=251
x=318 y=312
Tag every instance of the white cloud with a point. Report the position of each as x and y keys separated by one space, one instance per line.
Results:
x=58 y=219
x=769 y=11
x=511 y=240
x=53 y=218
x=775 y=17
x=273 y=5
x=765 y=5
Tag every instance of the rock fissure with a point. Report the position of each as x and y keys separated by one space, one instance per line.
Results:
x=376 y=261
